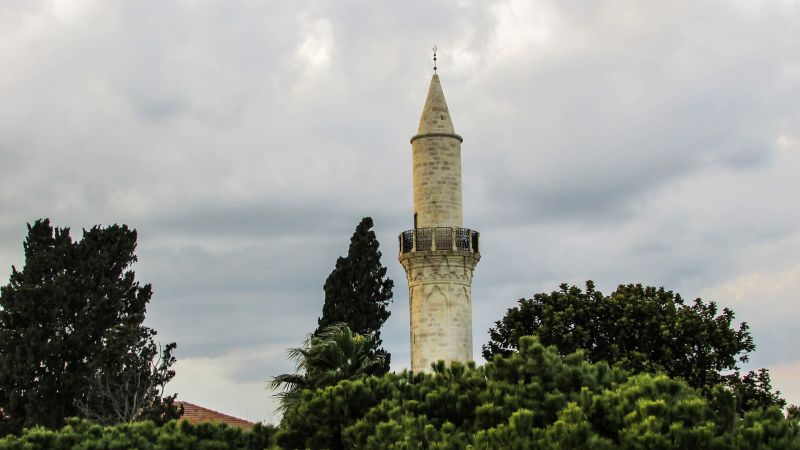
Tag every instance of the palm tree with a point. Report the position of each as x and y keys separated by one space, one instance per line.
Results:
x=332 y=355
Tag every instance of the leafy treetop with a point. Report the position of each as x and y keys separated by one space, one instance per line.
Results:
x=641 y=329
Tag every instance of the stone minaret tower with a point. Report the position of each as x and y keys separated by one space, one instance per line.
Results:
x=439 y=255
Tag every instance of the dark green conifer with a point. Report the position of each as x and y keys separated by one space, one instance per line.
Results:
x=72 y=342
x=357 y=292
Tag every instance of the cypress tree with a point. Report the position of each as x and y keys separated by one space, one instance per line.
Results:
x=357 y=292
x=72 y=340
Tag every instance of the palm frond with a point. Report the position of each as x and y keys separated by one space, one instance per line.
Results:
x=334 y=354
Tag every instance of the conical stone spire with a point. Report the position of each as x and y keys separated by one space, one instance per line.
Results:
x=435 y=115
x=436 y=152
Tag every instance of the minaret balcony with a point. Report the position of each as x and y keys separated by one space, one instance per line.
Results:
x=439 y=238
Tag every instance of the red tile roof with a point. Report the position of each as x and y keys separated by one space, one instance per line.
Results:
x=195 y=414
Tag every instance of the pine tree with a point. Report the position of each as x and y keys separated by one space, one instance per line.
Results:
x=357 y=292
x=534 y=398
x=72 y=340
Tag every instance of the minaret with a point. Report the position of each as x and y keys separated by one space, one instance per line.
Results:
x=439 y=255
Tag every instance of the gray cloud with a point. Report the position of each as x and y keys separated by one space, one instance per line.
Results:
x=618 y=141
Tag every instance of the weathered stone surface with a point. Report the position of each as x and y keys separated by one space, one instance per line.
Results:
x=439 y=281
x=437 y=181
x=440 y=299
x=435 y=115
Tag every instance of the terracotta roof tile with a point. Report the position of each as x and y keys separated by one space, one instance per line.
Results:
x=195 y=414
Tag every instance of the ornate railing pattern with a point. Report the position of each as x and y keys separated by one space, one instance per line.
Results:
x=423 y=238
x=439 y=238
x=406 y=241
x=462 y=238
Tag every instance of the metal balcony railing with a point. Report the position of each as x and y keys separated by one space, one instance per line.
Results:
x=439 y=238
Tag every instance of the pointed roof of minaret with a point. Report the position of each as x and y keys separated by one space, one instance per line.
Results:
x=435 y=115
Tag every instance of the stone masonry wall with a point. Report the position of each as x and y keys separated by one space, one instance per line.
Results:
x=440 y=300
x=437 y=181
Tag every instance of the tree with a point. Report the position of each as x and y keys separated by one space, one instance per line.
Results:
x=71 y=332
x=793 y=413
x=641 y=329
x=335 y=353
x=533 y=398
x=357 y=292
x=136 y=387
x=81 y=434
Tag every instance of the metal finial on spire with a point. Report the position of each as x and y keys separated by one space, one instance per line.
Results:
x=434 y=59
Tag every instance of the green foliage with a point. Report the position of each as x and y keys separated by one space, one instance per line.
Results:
x=332 y=355
x=641 y=329
x=78 y=434
x=71 y=335
x=533 y=398
x=793 y=412
x=357 y=291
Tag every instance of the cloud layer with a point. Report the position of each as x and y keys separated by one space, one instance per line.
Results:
x=616 y=141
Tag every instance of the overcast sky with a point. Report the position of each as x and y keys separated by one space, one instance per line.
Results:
x=619 y=141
